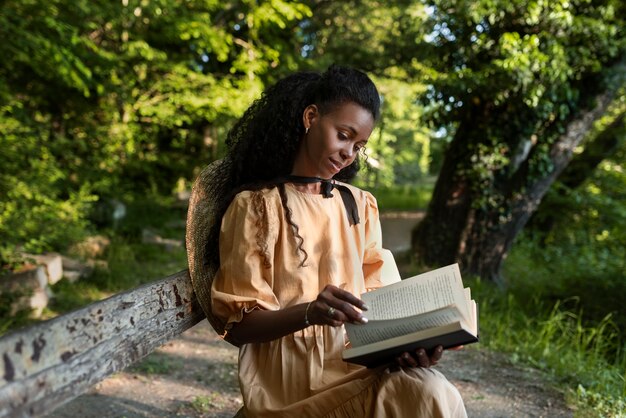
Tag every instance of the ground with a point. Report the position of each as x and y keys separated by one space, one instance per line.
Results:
x=195 y=375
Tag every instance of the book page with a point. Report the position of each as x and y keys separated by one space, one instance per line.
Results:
x=374 y=331
x=422 y=293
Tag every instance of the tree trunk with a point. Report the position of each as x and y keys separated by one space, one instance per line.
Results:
x=455 y=229
x=604 y=145
x=438 y=237
x=578 y=170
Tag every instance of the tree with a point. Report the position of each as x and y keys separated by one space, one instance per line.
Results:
x=604 y=142
x=518 y=85
x=108 y=98
x=399 y=151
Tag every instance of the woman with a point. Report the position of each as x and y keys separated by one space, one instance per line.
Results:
x=296 y=245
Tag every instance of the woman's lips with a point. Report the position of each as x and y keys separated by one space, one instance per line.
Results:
x=336 y=166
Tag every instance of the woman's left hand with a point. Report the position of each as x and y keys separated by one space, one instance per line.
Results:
x=420 y=358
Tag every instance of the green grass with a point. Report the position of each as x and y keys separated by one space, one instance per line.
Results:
x=541 y=322
x=561 y=312
x=205 y=403
x=555 y=339
x=403 y=198
x=156 y=363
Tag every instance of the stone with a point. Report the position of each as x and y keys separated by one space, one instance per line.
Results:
x=92 y=247
x=72 y=276
x=52 y=263
x=30 y=288
x=74 y=269
x=150 y=237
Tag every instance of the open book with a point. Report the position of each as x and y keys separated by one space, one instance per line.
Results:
x=423 y=311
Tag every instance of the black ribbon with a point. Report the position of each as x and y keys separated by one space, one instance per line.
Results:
x=327 y=187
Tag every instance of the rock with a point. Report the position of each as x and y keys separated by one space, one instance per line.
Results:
x=30 y=288
x=72 y=276
x=92 y=247
x=52 y=263
x=148 y=236
x=74 y=269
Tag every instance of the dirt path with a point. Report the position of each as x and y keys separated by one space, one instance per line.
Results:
x=196 y=376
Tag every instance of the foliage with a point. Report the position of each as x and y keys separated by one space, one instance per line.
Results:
x=516 y=86
x=10 y=318
x=126 y=100
x=404 y=198
x=583 y=253
x=579 y=267
x=598 y=404
x=104 y=98
x=588 y=359
x=399 y=150
x=38 y=209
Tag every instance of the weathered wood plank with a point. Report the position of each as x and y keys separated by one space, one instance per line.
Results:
x=52 y=362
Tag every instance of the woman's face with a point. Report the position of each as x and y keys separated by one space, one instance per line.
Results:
x=333 y=140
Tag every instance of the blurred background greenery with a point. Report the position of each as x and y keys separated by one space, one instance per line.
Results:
x=489 y=107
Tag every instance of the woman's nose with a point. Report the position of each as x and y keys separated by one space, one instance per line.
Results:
x=347 y=152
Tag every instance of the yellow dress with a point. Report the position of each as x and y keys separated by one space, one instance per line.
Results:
x=302 y=374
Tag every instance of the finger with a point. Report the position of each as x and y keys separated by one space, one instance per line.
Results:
x=328 y=315
x=436 y=354
x=457 y=348
x=343 y=310
x=348 y=297
x=422 y=358
x=408 y=359
x=400 y=361
x=342 y=317
x=347 y=311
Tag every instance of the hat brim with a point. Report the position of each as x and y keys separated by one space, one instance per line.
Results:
x=200 y=219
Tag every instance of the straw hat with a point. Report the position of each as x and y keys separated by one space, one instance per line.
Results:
x=200 y=218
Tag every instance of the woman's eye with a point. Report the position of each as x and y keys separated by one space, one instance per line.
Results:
x=342 y=136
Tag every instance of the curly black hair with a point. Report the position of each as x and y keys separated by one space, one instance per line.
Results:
x=262 y=145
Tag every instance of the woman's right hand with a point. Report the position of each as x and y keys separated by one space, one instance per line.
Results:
x=335 y=306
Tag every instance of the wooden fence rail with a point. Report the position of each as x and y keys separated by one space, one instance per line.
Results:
x=52 y=362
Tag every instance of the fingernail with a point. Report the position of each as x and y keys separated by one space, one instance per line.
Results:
x=364 y=320
x=364 y=307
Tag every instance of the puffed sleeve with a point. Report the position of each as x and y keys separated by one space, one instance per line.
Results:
x=246 y=276
x=379 y=266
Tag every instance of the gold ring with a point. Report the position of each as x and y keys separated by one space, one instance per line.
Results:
x=331 y=311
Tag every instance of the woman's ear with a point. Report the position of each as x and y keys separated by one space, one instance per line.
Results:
x=309 y=116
